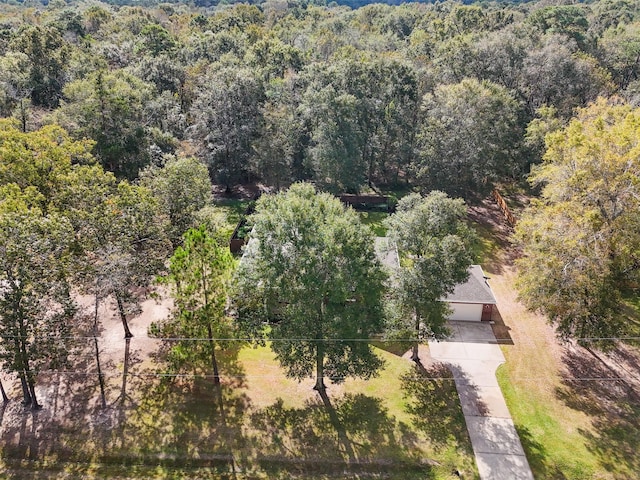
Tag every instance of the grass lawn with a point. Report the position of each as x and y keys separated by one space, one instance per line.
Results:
x=260 y=424
x=552 y=433
x=487 y=248
x=374 y=219
x=575 y=419
x=233 y=208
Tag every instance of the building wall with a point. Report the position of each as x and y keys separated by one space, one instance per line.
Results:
x=471 y=312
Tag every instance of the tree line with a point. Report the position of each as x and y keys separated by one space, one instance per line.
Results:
x=69 y=227
x=448 y=96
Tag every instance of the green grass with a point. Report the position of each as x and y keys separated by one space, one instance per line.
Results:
x=572 y=427
x=487 y=247
x=260 y=424
x=374 y=219
x=396 y=192
x=233 y=208
x=551 y=434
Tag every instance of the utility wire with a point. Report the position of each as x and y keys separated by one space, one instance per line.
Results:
x=304 y=339
x=115 y=373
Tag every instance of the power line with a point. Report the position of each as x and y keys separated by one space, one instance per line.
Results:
x=114 y=373
x=502 y=341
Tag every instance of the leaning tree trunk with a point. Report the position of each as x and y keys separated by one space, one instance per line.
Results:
x=123 y=317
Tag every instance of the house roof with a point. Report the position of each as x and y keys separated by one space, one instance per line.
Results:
x=475 y=290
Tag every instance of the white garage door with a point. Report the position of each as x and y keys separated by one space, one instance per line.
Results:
x=466 y=311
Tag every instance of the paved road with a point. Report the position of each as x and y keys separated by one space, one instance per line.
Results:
x=473 y=356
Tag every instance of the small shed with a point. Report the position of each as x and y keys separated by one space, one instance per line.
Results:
x=473 y=300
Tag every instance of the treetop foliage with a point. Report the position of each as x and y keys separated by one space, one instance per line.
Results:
x=445 y=96
x=434 y=95
x=310 y=264
x=582 y=238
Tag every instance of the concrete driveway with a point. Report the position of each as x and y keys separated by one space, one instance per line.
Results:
x=473 y=355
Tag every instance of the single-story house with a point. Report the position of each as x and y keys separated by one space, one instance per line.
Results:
x=472 y=300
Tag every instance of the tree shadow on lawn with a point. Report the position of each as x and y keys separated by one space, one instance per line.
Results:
x=69 y=398
x=354 y=437
x=537 y=456
x=169 y=422
x=58 y=432
x=434 y=405
x=181 y=420
x=592 y=387
x=494 y=247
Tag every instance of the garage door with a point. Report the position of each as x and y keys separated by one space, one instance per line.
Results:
x=466 y=311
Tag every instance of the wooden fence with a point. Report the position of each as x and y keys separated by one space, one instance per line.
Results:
x=367 y=202
x=504 y=207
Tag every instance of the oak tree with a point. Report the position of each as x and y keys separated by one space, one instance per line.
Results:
x=310 y=263
x=581 y=239
x=435 y=248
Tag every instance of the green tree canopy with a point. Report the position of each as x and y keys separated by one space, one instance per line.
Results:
x=227 y=118
x=311 y=263
x=182 y=187
x=469 y=139
x=36 y=310
x=434 y=244
x=39 y=159
x=582 y=238
x=199 y=274
x=109 y=109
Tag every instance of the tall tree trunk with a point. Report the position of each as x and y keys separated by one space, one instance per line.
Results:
x=320 y=386
x=23 y=357
x=214 y=362
x=370 y=166
x=23 y=116
x=123 y=317
x=97 y=350
x=32 y=389
x=25 y=388
x=414 y=355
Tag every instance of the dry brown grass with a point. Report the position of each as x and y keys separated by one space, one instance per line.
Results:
x=575 y=416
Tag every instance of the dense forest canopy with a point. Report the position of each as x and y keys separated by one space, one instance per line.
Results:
x=439 y=96
x=213 y=3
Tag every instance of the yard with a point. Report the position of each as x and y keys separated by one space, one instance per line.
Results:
x=258 y=425
x=403 y=424
x=576 y=409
